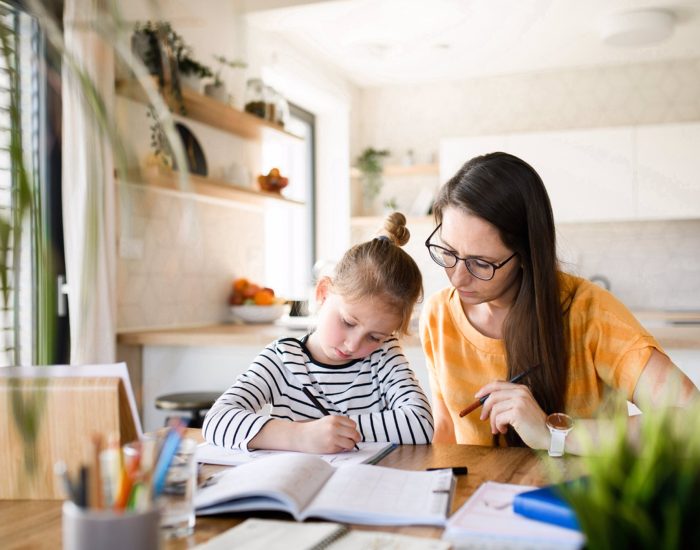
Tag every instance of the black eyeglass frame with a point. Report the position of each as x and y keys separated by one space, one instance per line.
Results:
x=493 y=265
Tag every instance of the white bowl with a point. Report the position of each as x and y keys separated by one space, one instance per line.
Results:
x=259 y=314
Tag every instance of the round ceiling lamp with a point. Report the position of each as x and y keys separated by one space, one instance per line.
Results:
x=637 y=28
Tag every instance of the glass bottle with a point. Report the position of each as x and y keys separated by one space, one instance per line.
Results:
x=281 y=111
x=270 y=95
x=255 y=98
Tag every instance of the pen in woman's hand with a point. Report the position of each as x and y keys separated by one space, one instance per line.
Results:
x=479 y=402
x=318 y=405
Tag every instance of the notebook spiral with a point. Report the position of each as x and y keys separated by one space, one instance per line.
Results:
x=341 y=531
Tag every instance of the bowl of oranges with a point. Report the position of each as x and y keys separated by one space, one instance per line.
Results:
x=253 y=303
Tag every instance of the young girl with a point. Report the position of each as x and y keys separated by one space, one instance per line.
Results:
x=352 y=364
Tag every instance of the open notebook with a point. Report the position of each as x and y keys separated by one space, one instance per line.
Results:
x=368 y=453
x=307 y=486
x=271 y=534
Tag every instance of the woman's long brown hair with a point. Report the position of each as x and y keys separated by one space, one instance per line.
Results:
x=508 y=193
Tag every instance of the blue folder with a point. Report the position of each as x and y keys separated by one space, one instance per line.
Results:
x=546 y=504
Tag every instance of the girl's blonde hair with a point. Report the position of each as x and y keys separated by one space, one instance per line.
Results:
x=381 y=269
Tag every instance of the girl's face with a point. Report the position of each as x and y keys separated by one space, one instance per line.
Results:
x=349 y=330
x=470 y=236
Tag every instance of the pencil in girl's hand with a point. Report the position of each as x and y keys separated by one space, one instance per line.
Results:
x=315 y=401
x=318 y=405
x=479 y=402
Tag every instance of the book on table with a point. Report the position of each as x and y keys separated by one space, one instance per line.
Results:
x=487 y=520
x=306 y=486
x=272 y=534
x=547 y=504
x=367 y=453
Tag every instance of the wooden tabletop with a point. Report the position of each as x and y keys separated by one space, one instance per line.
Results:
x=37 y=524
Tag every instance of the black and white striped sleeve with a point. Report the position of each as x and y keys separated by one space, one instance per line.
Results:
x=407 y=417
x=234 y=418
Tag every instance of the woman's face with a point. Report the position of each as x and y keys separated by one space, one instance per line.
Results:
x=469 y=236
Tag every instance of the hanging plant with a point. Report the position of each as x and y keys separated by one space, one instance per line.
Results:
x=369 y=163
x=166 y=55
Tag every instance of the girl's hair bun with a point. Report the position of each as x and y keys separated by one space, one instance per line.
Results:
x=395 y=229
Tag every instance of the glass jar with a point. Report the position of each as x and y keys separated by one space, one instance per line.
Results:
x=255 y=102
x=270 y=95
x=281 y=111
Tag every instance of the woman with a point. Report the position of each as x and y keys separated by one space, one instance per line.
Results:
x=510 y=308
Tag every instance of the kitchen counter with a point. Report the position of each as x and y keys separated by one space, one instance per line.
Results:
x=225 y=334
x=677 y=330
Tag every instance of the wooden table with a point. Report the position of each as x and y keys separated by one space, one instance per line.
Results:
x=37 y=524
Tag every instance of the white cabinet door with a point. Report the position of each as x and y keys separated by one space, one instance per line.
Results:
x=589 y=174
x=454 y=152
x=668 y=164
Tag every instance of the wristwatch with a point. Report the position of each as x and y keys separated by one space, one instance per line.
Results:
x=559 y=425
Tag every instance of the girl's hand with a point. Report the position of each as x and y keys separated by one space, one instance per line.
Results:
x=330 y=434
x=514 y=405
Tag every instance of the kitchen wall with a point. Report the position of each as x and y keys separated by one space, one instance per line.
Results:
x=178 y=256
x=649 y=264
x=417 y=117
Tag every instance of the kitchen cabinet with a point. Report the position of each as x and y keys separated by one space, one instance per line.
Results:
x=221 y=116
x=602 y=174
x=668 y=171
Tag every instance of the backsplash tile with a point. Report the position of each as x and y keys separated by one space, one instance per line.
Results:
x=192 y=250
x=650 y=264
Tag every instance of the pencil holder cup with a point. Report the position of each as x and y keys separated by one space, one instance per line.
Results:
x=86 y=529
x=176 y=502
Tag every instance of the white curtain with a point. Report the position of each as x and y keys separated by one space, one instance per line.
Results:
x=88 y=192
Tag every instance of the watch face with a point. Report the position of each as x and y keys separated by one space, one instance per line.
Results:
x=560 y=421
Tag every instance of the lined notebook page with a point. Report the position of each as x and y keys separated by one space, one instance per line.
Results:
x=270 y=534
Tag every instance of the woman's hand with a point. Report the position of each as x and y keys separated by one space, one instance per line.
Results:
x=330 y=434
x=513 y=405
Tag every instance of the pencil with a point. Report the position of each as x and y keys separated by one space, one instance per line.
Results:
x=318 y=405
x=479 y=402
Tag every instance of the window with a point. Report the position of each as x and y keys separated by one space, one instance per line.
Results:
x=30 y=208
x=289 y=231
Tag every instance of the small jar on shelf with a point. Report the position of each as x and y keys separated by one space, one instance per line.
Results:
x=281 y=111
x=271 y=96
x=255 y=102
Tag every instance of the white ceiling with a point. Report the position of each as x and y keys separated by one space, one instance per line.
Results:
x=384 y=42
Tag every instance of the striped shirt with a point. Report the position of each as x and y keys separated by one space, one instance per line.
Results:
x=607 y=347
x=380 y=393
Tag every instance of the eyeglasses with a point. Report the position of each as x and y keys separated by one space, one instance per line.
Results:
x=481 y=269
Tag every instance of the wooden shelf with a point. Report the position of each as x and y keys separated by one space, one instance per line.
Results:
x=364 y=221
x=208 y=111
x=391 y=170
x=206 y=187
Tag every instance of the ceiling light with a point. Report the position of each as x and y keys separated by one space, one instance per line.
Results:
x=636 y=28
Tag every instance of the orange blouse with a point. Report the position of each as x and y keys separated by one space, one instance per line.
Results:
x=608 y=348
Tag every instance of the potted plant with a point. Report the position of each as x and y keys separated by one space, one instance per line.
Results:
x=217 y=88
x=643 y=495
x=167 y=56
x=369 y=163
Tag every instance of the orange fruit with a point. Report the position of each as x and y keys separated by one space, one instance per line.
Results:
x=240 y=284
x=264 y=297
x=251 y=290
